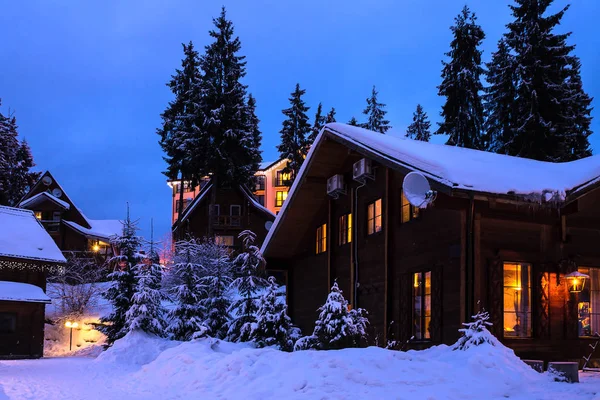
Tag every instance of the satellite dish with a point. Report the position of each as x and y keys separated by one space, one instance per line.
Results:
x=268 y=225
x=56 y=192
x=417 y=190
x=47 y=180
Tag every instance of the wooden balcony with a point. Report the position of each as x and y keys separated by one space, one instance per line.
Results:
x=226 y=221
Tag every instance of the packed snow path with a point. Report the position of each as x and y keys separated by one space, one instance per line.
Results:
x=139 y=367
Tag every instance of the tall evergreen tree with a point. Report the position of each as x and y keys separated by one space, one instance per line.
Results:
x=123 y=280
x=463 y=114
x=232 y=158
x=253 y=122
x=181 y=138
x=353 y=122
x=317 y=124
x=330 y=116
x=375 y=114
x=552 y=112
x=419 y=129
x=294 y=132
x=500 y=98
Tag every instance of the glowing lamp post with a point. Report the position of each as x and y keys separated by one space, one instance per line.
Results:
x=71 y=325
x=576 y=281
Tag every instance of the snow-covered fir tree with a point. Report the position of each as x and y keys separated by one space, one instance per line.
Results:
x=318 y=123
x=353 y=122
x=247 y=284
x=273 y=326
x=419 y=128
x=16 y=162
x=375 y=113
x=253 y=127
x=476 y=333
x=462 y=113
x=499 y=99
x=233 y=157
x=336 y=327
x=187 y=293
x=181 y=138
x=122 y=280
x=216 y=279
x=552 y=111
x=294 y=132
x=330 y=116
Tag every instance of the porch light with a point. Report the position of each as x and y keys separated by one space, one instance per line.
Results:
x=576 y=281
x=96 y=248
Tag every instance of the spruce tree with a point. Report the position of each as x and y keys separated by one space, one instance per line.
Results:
x=317 y=124
x=419 y=129
x=463 y=114
x=476 y=333
x=123 y=281
x=552 y=112
x=353 y=122
x=253 y=122
x=294 y=132
x=273 y=326
x=233 y=158
x=375 y=114
x=330 y=116
x=500 y=98
x=248 y=283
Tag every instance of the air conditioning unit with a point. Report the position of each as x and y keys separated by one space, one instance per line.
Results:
x=362 y=169
x=335 y=186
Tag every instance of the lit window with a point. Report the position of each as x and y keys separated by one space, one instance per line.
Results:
x=374 y=217
x=409 y=211
x=517 y=300
x=322 y=239
x=8 y=323
x=589 y=303
x=224 y=241
x=421 y=305
x=283 y=178
x=345 y=226
x=280 y=197
x=38 y=215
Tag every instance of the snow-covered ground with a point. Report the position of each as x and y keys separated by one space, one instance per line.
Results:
x=141 y=367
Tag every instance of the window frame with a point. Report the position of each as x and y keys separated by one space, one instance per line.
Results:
x=373 y=217
x=413 y=212
x=280 y=176
x=279 y=202
x=221 y=242
x=261 y=182
x=15 y=320
x=345 y=229
x=529 y=312
x=321 y=239
x=589 y=291
x=232 y=206
x=421 y=292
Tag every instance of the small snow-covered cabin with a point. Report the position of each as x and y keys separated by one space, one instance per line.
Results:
x=27 y=253
x=504 y=233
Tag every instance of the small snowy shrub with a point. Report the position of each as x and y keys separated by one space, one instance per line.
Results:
x=476 y=333
x=336 y=327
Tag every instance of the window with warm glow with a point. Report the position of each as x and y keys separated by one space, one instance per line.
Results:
x=345 y=232
x=283 y=178
x=588 y=306
x=224 y=240
x=517 y=300
x=409 y=212
x=38 y=214
x=321 y=239
x=421 y=301
x=374 y=217
x=280 y=197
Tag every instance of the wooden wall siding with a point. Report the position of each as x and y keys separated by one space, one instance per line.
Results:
x=495 y=296
x=403 y=329
x=542 y=315
x=437 y=300
x=28 y=339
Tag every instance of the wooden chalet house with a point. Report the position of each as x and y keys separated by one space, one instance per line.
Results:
x=503 y=234
x=72 y=231
x=27 y=253
x=233 y=210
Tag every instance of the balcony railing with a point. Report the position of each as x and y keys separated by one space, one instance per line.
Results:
x=51 y=225
x=228 y=221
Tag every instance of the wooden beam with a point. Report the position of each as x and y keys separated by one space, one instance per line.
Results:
x=386 y=266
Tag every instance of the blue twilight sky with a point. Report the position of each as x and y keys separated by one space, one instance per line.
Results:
x=87 y=79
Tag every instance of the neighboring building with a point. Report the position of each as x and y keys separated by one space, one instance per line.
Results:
x=502 y=235
x=72 y=231
x=233 y=210
x=27 y=253
x=271 y=188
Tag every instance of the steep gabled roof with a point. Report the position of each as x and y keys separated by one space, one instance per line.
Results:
x=44 y=196
x=103 y=229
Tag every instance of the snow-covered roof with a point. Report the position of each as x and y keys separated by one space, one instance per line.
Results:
x=250 y=197
x=17 y=291
x=23 y=236
x=195 y=202
x=38 y=198
x=270 y=164
x=102 y=229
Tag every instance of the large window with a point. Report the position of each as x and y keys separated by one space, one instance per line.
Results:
x=517 y=300
x=8 y=323
x=321 y=239
x=260 y=182
x=421 y=300
x=280 y=197
x=224 y=240
x=283 y=178
x=409 y=212
x=374 y=217
x=589 y=304
x=345 y=229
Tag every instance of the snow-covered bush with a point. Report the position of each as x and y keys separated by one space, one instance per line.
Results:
x=476 y=333
x=146 y=312
x=336 y=327
x=273 y=326
x=248 y=283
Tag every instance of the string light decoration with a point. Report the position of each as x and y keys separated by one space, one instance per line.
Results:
x=29 y=266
